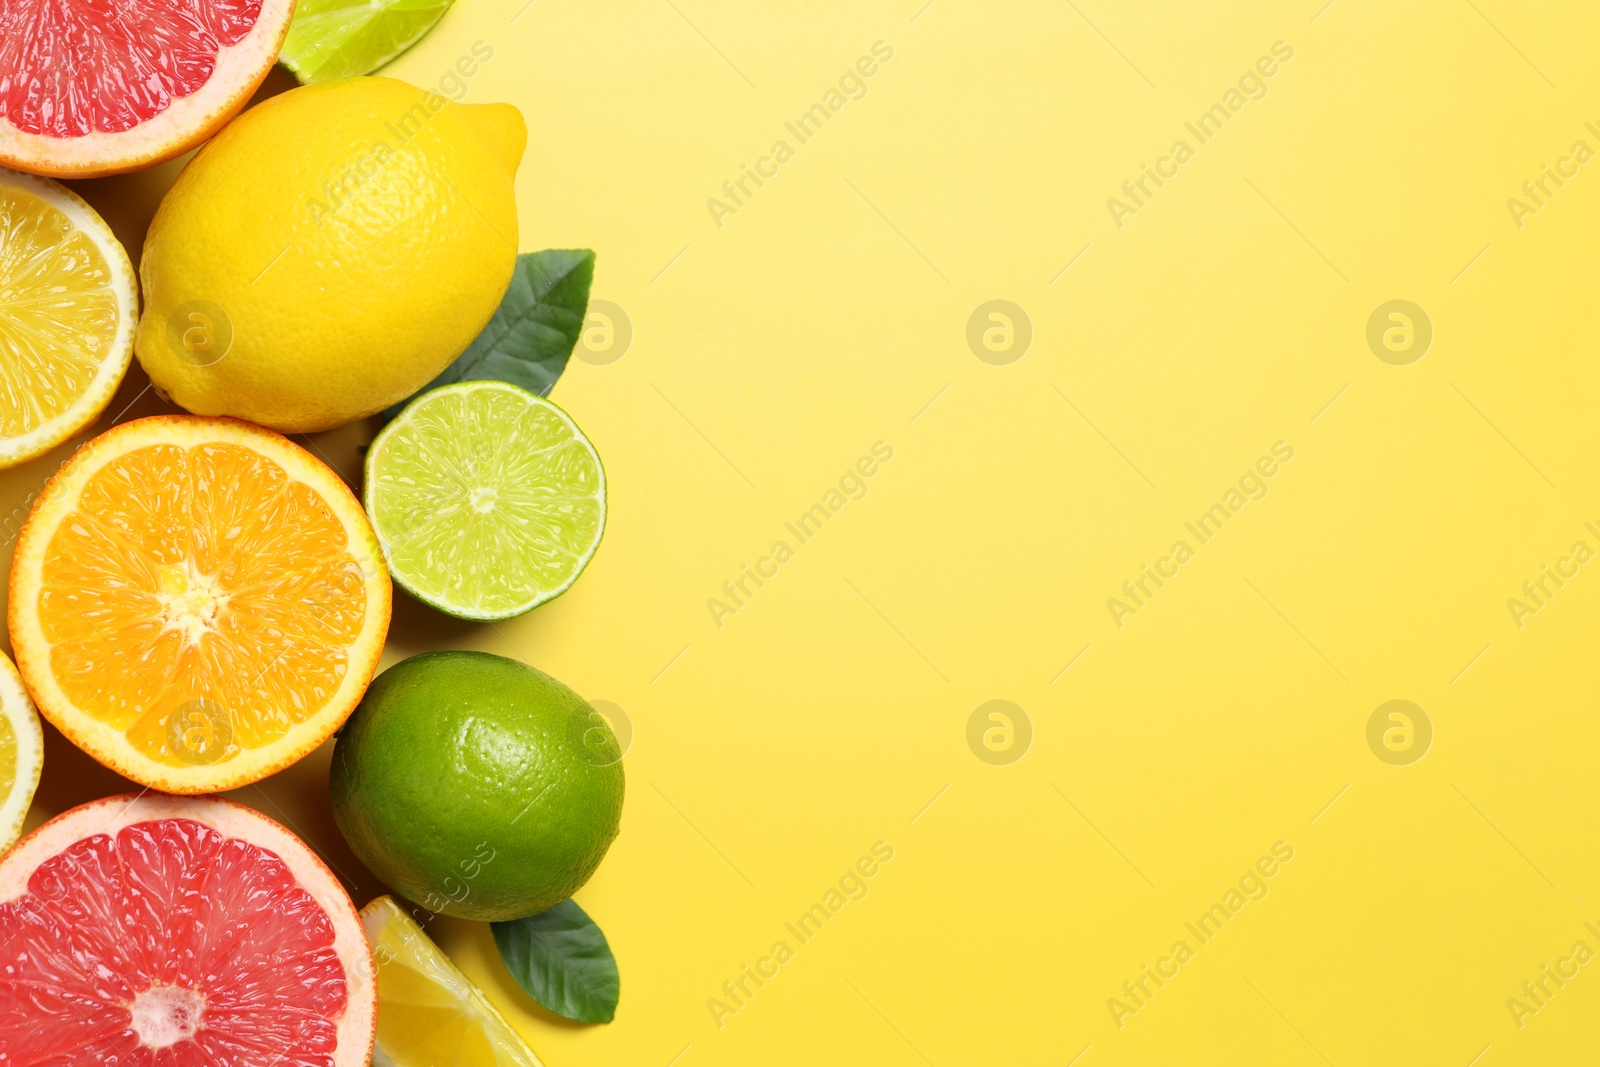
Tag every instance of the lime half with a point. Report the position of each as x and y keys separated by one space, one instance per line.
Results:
x=487 y=499
x=346 y=38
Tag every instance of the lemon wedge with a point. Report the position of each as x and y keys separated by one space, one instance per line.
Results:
x=429 y=1014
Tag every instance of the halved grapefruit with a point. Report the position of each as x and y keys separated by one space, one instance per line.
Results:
x=196 y=603
x=89 y=88
x=181 y=932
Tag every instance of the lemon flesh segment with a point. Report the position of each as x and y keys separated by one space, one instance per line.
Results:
x=8 y=757
x=429 y=1013
x=21 y=753
x=67 y=311
x=487 y=499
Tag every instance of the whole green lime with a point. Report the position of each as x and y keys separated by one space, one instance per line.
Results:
x=476 y=785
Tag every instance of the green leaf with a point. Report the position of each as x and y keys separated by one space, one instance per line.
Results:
x=560 y=959
x=343 y=38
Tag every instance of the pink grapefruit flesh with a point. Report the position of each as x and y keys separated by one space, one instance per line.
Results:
x=90 y=87
x=160 y=931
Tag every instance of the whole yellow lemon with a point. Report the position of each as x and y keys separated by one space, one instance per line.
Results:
x=329 y=253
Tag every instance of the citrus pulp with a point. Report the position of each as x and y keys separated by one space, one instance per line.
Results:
x=196 y=603
x=93 y=88
x=179 y=931
x=488 y=500
x=429 y=1013
x=68 y=306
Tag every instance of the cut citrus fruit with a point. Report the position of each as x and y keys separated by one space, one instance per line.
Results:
x=94 y=88
x=196 y=603
x=429 y=1013
x=488 y=500
x=21 y=753
x=346 y=38
x=180 y=932
x=68 y=308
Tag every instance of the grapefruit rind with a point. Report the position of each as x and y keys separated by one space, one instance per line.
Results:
x=185 y=123
x=119 y=354
x=17 y=708
x=358 y=1025
x=104 y=742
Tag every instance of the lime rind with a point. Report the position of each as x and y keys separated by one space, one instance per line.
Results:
x=487 y=499
x=346 y=38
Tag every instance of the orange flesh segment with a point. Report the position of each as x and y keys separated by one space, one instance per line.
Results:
x=196 y=583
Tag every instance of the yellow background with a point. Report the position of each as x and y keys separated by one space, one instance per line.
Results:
x=830 y=312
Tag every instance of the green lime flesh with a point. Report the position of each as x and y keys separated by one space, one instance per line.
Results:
x=488 y=500
x=476 y=785
x=346 y=38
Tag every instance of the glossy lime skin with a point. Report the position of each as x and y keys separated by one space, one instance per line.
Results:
x=476 y=785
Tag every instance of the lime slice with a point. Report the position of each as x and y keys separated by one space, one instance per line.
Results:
x=487 y=499
x=429 y=1013
x=344 y=38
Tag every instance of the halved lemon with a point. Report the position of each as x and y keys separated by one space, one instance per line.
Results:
x=68 y=308
x=429 y=1013
x=21 y=753
x=197 y=603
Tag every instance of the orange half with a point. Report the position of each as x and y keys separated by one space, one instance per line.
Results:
x=197 y=603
